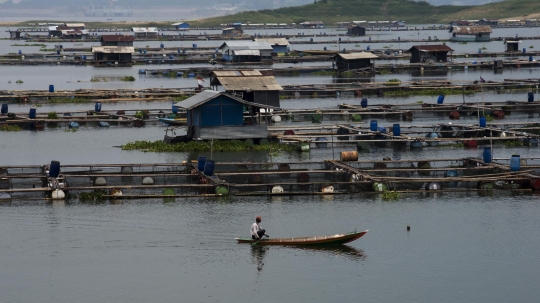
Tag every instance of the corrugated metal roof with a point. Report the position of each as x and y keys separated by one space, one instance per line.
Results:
x=75 y=24
x=247 y=52
x=262 y=83
x=471 y=30
x=145 y=29
x=113 y=49
x=236 y=73
x=361 y=55
x=273 y=41
x=312 y=23
x=432 y=48
x=240 y=45
x=207 y=95
x=74 y=32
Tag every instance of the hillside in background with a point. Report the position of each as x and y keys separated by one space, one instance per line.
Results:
x=331 y=11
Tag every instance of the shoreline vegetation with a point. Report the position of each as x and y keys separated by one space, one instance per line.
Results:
x=217 y=146
x=332 y=11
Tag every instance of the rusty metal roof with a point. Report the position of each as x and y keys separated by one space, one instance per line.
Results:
x=260 y=83
x=361 y=55
x=471 y=30
x=432 y=48
x=113 y=49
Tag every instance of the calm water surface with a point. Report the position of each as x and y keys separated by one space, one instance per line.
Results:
x=462 y=247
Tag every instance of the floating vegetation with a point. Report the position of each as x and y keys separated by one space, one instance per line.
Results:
x=128 y=78
x=35 y=44
x=181 y=98
x=218 y=145
x=324 y=73
x=52 y=115
x=514 y=143
x=9 y=128
x=47 y=49
x=69 y=100
x=93 y=196
x=390 y=195
x=98 y=80
x=531 y=46
x=431 y=92
x=19 y=81
x=347 y=74
x=384 y=72
x=489 y=118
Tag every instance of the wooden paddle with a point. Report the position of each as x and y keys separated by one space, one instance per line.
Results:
x=257 y=242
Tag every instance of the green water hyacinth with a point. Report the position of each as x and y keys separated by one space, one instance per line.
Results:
x=218 y=146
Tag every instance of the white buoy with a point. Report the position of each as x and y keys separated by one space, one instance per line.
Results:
x=148 y=181
x=327 y=189
x=58 y=194
x=116 y=192
x=100 y=181
x=276 y=119
x=277 y=189
x=126 y=169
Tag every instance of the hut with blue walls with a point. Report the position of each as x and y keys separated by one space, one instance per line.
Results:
x=181 y=26
x=218 y=115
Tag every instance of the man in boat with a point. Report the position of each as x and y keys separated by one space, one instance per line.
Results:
x=256 y=231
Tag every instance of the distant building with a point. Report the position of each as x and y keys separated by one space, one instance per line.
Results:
x=232 y=32
x=352 y=61
x=356 y=31
x=218 y=115
x=145 y=32
x=312 y=24
x=279 y=45
x=246 y=51
x=68 y=31
x=429 y=53
x=512 y=45
x=489 y=22
x=480 y=33
x=117 y=40
x=109 y=55
x=257 y=86
x=531 y=22
x=181 y=26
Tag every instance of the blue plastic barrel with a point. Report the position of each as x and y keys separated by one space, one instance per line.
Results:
x=382 y=129
x=339 y=39
x=321 y=142
x=58 y=52
x=54 y=169
x=191 y=75
x=515 y=164
x=179 y=50
x=140 y=51
x=84 y=57
x=440 y=100
x=479 y=50
x=171 y=57
x=530 y=58
x=209 y=167
x=51 y=88
x=396 y=129
x=161 y=45
x=398 y=38
x=487 y=155
x=201 y=161
x=325 y=48
x=179 y=74
x=174 y=109
x=373 y=125
x=524 y=50
x=310 y=39
x=530 y=97
x=194 y=45
x=20 y=52
x=73 y=124
x=4 y=108
x=451 y=174
x=301 y=54
x=144 y=52
x=482 y=121
x=368 y=48
x=363 y=103
x=32 y=113
x=103 y=124
x=98 y=107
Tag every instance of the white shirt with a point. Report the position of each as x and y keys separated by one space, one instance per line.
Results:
x=255 y=228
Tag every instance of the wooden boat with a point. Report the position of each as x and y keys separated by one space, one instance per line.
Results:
x=317 y=240
x=176 y=121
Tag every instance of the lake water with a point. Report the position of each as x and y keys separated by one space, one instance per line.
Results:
x=462 y=247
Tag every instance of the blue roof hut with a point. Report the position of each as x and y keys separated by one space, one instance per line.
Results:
x=218 y=115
